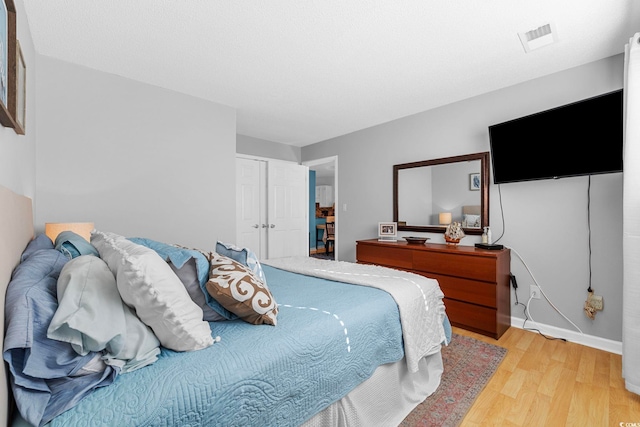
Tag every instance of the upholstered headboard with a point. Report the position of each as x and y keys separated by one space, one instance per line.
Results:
x=471 y=210
x=16 y=230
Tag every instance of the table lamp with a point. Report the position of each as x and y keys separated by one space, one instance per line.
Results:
x=52 y=229
x=445 y=218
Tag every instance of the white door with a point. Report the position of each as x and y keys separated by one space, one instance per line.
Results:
x=272 y=207
x=250 y=212
x=287 y=199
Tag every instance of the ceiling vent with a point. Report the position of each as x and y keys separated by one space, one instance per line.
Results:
x=539 y=37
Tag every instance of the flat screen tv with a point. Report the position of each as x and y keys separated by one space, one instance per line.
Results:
x=582 y=138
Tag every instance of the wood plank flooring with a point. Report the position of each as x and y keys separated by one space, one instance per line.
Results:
x=544 y=382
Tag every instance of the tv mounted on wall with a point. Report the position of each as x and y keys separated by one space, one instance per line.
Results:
x=581 y=138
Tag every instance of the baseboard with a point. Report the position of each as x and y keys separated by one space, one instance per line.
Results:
x=571 y=336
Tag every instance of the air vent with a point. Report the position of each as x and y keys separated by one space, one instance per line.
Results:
x=538 y=37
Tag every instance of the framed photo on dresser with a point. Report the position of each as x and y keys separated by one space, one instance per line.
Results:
x=387 y=231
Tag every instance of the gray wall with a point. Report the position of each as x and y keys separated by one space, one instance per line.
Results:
x=135 y=159
x=545 y=222
x=263 y=148
x=17 y=152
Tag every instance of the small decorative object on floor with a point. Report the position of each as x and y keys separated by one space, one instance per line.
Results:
x=454 y=233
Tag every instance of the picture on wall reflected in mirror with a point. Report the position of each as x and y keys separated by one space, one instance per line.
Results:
x=474 y=181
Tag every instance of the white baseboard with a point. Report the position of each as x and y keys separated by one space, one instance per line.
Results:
x=571 y=336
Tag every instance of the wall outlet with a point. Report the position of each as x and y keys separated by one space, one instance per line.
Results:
x=596 y=302
x=534 y=292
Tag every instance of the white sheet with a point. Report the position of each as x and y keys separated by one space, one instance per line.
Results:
x=419 y=298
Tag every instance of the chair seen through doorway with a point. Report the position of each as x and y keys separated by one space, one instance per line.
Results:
x=330 y=236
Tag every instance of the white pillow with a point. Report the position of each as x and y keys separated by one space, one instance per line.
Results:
x=149 y=285
x=471 y=221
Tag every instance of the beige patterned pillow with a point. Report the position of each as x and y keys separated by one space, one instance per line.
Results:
x=240 y=291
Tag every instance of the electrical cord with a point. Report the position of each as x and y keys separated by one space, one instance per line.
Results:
x=528 y=314
x=589 y=228
x=527 y=318
x=501 y=215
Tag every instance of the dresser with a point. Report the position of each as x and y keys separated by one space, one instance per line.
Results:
x=475 y=282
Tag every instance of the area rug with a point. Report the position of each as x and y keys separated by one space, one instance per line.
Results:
x=469 y=364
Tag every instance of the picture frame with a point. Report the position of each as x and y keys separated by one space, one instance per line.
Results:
x=387 y=231
x=21 y=91
x=8 y=64
x=4 y=54
x=474 y=181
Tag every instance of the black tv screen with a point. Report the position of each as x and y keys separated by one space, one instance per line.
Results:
x=582 y=138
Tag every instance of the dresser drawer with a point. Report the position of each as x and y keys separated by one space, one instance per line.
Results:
x=467 y=290
x=381 y=255
x=461 y=265
x=472 y=317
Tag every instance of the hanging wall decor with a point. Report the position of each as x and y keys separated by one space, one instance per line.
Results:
x=9 y=67
x=4 y=54
x=21 y=91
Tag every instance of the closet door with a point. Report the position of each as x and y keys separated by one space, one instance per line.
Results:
x=288 y=207
x=251 y=222
x=272 y=207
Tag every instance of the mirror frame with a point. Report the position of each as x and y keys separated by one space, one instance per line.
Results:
x=484 y=191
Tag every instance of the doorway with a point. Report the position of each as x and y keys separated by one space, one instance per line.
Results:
x=326 y=200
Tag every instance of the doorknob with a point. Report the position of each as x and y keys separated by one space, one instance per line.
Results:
x=264 y=225
x=272 y=225
x=255 y=225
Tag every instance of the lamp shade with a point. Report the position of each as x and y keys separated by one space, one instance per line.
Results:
x=445 y=218
x=52 y=229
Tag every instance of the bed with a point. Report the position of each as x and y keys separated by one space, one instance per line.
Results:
x=318 y=352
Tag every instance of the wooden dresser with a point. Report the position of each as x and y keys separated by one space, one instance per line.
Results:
x=475 y=282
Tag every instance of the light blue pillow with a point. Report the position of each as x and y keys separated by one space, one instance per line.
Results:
x=73 y=245
x=244 y=256
x=87 y=295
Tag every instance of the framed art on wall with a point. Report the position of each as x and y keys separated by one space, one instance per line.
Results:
x=4 y=53
x=21 y=91
x=8 y=65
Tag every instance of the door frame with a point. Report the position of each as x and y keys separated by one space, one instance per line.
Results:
x=322 y=161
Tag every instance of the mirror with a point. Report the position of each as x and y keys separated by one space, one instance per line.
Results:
x=429 y=194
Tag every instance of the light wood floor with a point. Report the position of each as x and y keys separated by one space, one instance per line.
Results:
x=545 y=382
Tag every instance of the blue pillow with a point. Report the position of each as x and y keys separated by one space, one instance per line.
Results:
x=244 y=256
x=177 y=255
x=73 y=245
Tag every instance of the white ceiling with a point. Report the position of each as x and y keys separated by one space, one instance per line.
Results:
x=302 y=71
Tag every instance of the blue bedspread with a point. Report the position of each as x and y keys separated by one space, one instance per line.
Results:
x=260 y=375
